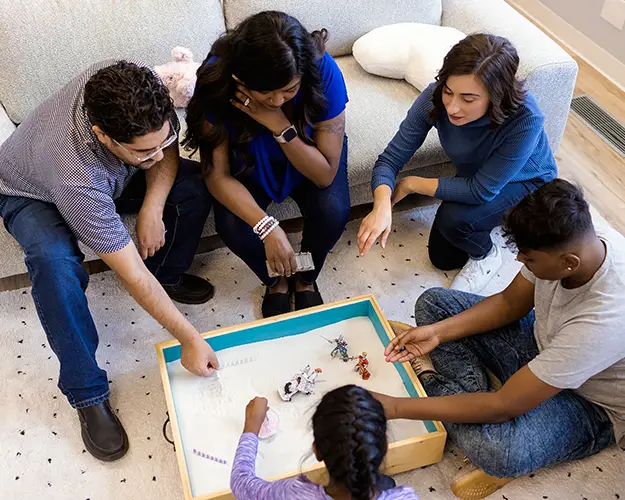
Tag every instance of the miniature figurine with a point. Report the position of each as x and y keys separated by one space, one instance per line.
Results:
x=340 y=349
x=361 y=366
x=302 y=381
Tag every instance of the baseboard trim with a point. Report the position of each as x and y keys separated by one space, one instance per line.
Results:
x=573 y=40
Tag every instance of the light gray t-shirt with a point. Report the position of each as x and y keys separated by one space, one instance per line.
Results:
x=581 y=333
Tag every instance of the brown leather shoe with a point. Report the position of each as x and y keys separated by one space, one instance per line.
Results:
x=102 y=432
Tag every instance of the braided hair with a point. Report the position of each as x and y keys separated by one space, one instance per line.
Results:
x=349 y=427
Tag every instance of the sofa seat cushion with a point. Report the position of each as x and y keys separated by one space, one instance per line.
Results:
x=376 y=108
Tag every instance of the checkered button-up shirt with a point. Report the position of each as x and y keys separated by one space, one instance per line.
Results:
x=55 y=157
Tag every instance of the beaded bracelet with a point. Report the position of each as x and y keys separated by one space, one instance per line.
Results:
x=268 y=230
x=260 y=223
x=263 y=227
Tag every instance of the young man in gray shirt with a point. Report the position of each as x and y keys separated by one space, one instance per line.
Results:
x=105 y=144
x=554 y=338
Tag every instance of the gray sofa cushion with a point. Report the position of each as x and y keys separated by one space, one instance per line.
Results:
x=45 y=44
x=346 y=21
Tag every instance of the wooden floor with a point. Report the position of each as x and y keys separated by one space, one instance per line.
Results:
x=586 y=159
x=583 y=158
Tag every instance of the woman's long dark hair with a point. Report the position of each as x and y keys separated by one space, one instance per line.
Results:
x=266 y=52
x=349 y=427
x=494 y=61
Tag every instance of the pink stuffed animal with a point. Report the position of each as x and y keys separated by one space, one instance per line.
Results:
x=179 y=75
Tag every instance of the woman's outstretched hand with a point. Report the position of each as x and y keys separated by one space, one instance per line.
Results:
x=376 y=224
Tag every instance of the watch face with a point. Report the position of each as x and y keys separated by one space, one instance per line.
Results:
x=289 y=134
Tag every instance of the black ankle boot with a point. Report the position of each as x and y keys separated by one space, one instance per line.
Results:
x=102 y=432
x=190 y=290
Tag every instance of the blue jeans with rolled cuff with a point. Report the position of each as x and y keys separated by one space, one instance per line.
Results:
x=59 y=280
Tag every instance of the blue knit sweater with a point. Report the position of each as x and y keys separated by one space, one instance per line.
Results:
x=486 y=159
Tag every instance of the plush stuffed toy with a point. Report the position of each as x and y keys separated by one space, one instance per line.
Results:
x=179 y=75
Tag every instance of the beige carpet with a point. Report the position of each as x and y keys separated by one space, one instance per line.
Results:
x=41 y=451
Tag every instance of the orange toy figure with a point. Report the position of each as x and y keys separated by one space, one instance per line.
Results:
x=361 y=366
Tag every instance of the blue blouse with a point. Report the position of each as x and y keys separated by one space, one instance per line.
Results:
x=273 y=171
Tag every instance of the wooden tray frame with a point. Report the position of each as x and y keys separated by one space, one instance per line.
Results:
x=404 y=455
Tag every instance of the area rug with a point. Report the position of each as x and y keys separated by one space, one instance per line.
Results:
x=41 y=452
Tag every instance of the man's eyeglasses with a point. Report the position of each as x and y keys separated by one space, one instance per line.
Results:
x=168 y=142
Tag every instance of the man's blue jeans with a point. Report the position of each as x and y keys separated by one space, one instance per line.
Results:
x=565 y=427
x=54 y=263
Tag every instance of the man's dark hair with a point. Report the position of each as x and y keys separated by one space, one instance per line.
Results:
x=551 y=217
x=127 y=101
x=494 y=61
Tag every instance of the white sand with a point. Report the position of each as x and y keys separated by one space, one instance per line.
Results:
x=211 y=411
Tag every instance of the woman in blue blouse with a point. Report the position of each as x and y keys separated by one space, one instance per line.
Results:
x=268 y=116
x=492 y=130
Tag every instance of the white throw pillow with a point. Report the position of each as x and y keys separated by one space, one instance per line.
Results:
x=411 y=51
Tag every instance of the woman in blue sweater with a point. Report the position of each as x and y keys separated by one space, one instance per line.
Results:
x=492 y=130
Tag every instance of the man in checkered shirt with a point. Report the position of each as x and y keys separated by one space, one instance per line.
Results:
x=105 y=144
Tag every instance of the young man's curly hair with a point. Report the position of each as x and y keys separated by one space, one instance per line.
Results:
x=552 y=217
x=127 y=101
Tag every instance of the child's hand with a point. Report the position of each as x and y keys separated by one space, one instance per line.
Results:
x=255 y=413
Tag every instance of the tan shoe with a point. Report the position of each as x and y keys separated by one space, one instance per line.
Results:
x=399 y=327
x=476 y=484
x=420 y=364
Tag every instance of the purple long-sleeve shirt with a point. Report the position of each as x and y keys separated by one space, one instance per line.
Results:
x=246 y=485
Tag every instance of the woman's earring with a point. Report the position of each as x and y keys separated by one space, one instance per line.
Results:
x=569 y=268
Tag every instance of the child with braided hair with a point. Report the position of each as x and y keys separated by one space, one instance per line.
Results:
x=349 y=430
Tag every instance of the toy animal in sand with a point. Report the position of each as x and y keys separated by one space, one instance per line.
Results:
x=179 y=75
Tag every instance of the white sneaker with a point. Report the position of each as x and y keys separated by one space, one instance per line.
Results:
x=476 y=274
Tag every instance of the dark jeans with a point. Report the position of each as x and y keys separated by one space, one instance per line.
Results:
x=325 y=212
x=565 y=427
x=54 y=260
x=461 y=231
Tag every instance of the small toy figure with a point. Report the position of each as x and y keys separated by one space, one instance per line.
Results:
x=340 y=349
x=361 y=366
x=302 y=381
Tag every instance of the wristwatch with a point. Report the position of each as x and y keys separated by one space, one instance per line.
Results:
x=287 y=135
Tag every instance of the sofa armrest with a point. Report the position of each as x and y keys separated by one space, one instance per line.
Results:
x=6 y=125
x=549 y=72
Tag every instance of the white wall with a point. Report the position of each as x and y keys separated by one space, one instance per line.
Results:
x=585 y=15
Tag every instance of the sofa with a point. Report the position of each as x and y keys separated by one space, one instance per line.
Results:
x=44 y=44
